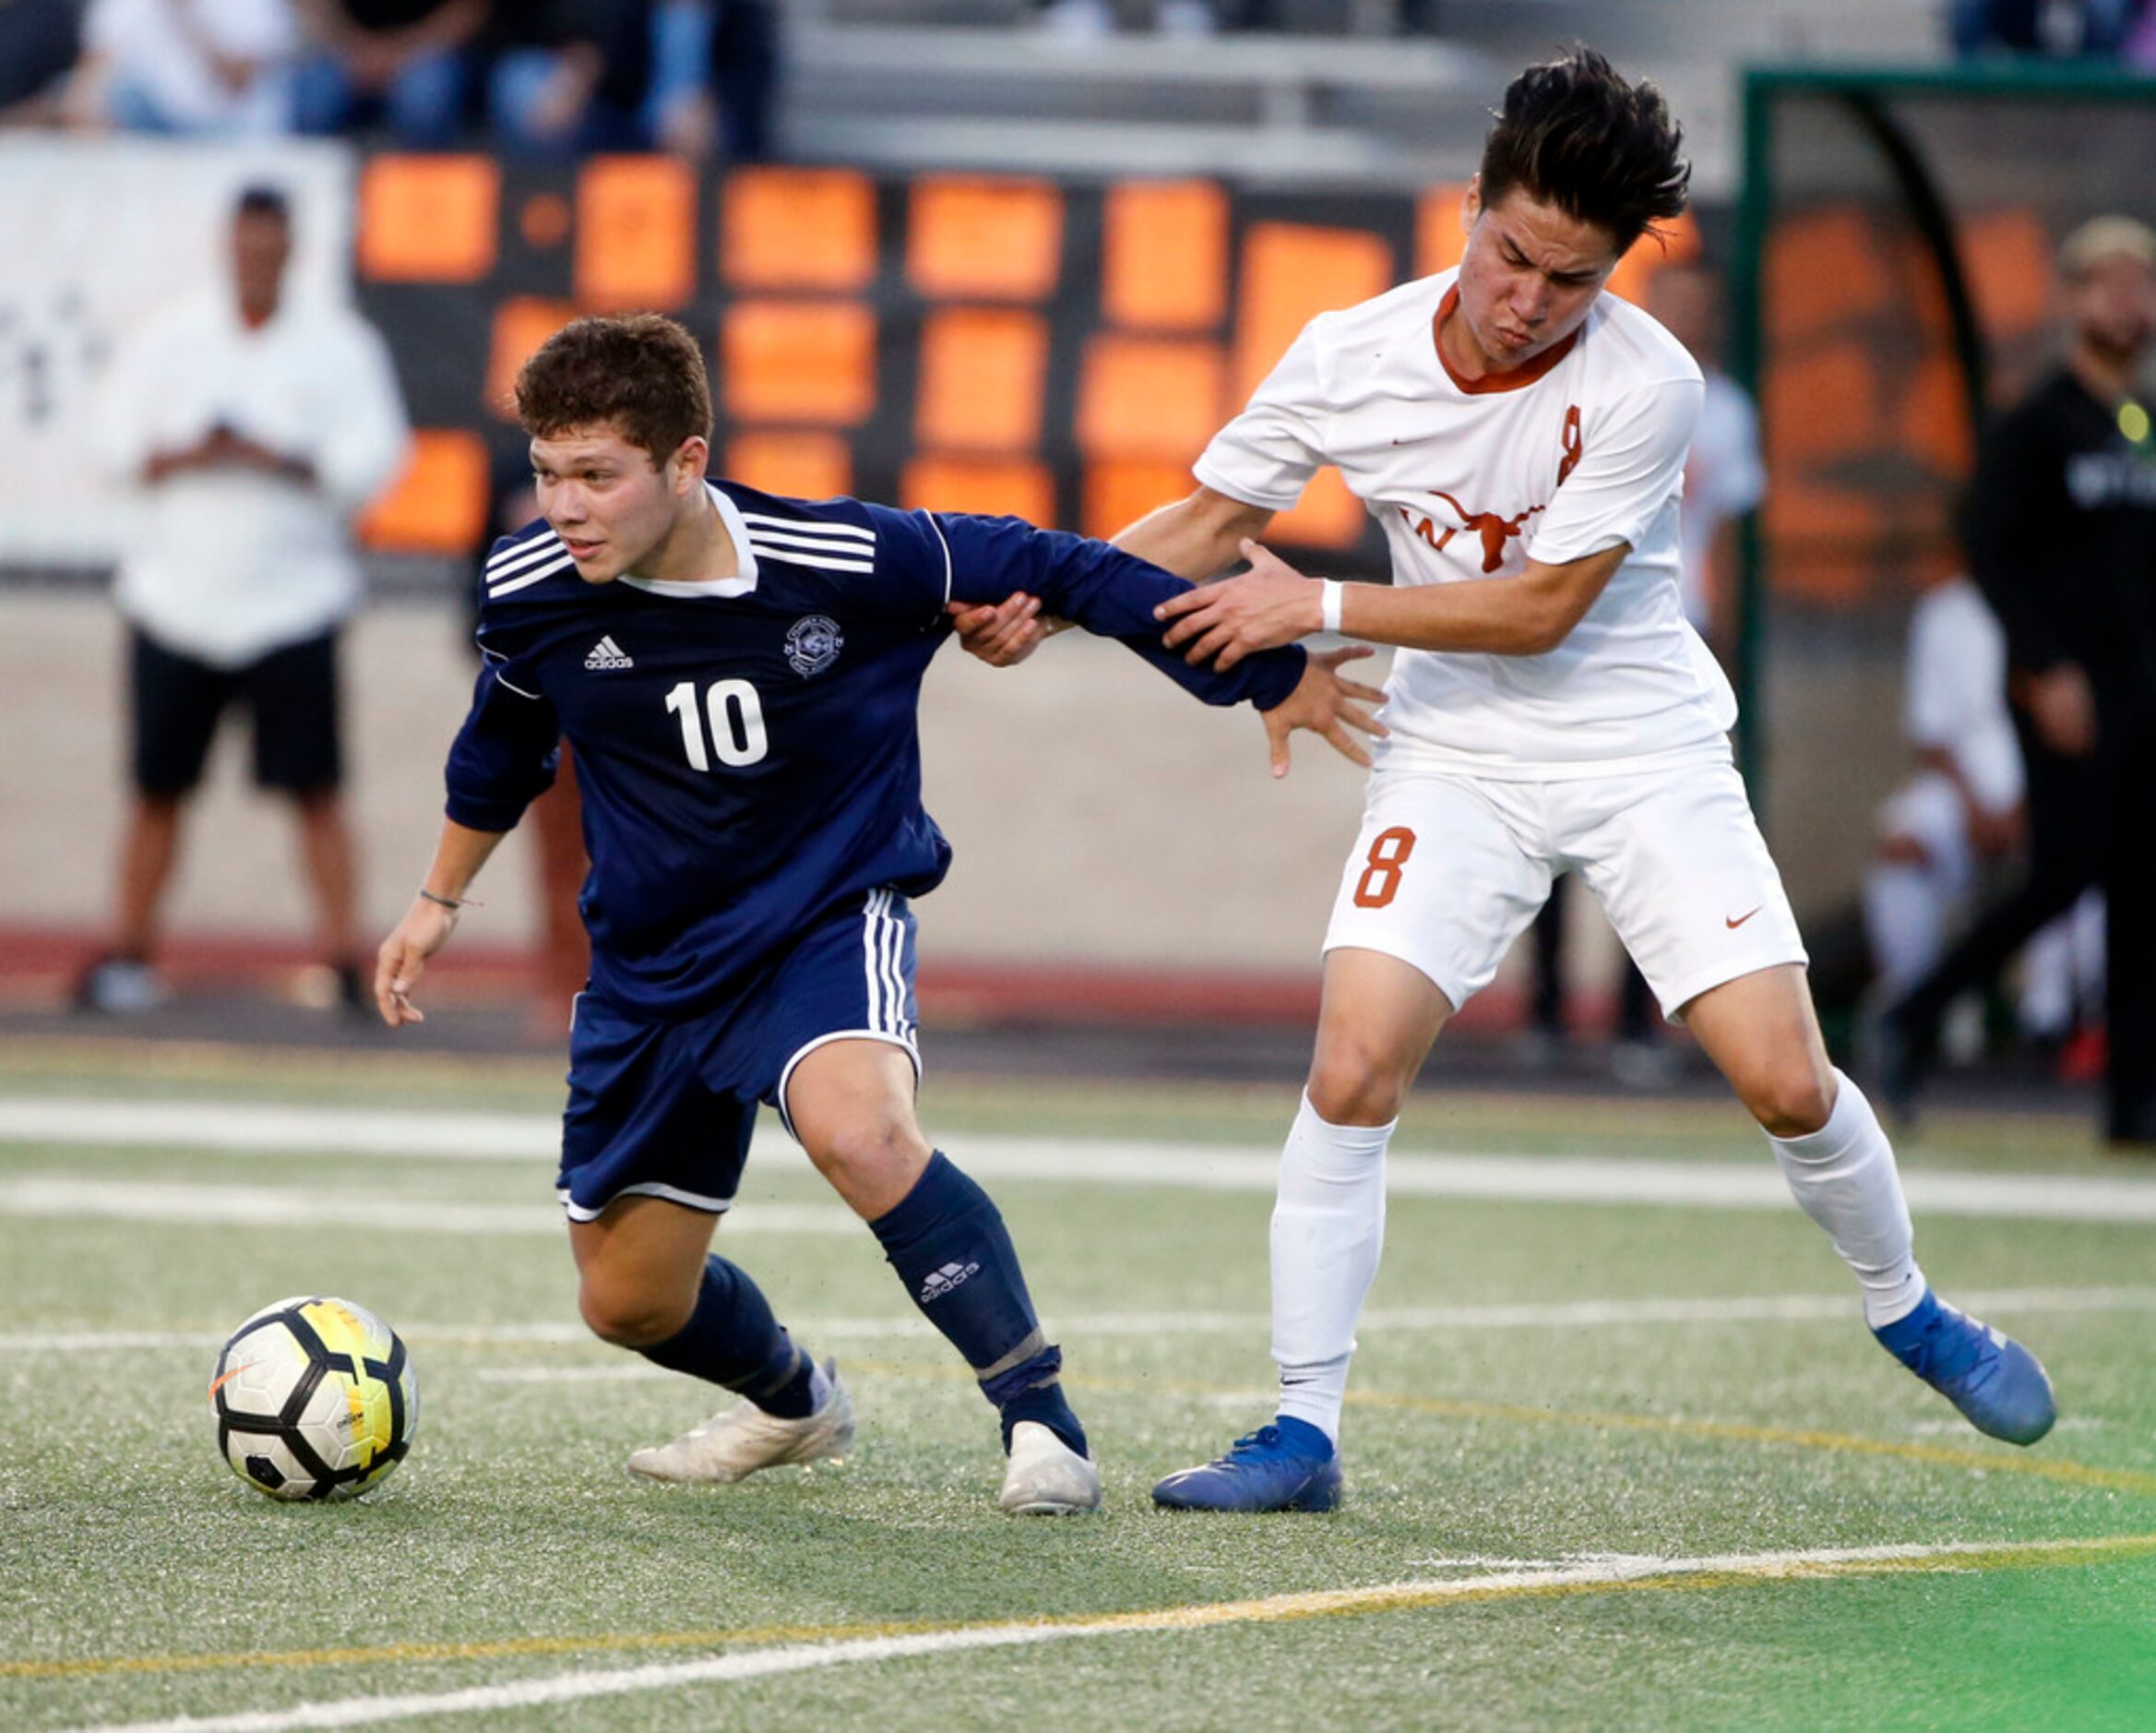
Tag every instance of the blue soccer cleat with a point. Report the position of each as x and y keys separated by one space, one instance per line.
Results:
x=1290 y=1466
x=1999 y=1386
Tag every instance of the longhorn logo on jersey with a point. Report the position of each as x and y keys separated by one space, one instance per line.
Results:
x=1495 y=530
x=812 y=643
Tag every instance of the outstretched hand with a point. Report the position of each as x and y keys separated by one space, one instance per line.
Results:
x=1270 y=605
x=1327 y=705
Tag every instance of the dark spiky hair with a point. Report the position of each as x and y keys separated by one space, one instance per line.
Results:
x=643 y=374
x=1574 y=134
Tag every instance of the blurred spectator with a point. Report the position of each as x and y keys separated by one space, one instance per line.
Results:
x=2097 y=27
x=185 y=66
x=1082 y=18
x=714 y=77
x=402 y=62
x=1962 y=809
x=568 y=74
x=2062 y=538
x=256 y=427
x=40 y=41
x=1724 y=477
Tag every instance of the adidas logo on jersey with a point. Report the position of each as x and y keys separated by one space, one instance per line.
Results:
x=606 y=654
x=942 y=1281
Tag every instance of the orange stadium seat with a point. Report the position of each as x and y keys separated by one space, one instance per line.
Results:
x=521 y=324
x=984 y=240
x=1932 y=418
x=1164 y=255
x=1119 y=491
x=1291 y=272
x=1328 y=515
x=983 y=374
x=428 y=219
x=799 y=465
x=1015 y=487
x=783 y=228
x=635 y=235
x=810 y=362
x=2008 y=255
x=1823 y=267
x=1820 y=404
x=1679 y=245
x=1440 y=237
x=1146 y=396
x=438 y=504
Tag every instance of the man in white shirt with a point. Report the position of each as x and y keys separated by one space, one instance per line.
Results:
x=255 y=426
x=187 y=67
x=1522 y=439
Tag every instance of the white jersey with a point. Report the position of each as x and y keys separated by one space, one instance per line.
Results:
x=1956 y=699
x=1581 y=450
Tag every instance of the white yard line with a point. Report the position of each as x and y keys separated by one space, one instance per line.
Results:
x=896 y=1326
x=250 y=1128
x=801 y=1657
x=70 y=1196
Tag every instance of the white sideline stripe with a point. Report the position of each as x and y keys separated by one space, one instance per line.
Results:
x=66 y=1196
x=801 y=1657
x=1709 y=1185
x=1561 y=1315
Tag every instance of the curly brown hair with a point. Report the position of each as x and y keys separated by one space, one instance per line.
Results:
x=1574 y=134
x=643 y=374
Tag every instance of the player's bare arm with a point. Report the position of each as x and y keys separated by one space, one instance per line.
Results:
x=427 y=924
x=1272 y=603
x=1195 y=537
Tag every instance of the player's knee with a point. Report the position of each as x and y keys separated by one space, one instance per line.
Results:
x=631 y=1316
x=864 y=1151
x=1792 y=1102
x=1351 y=1085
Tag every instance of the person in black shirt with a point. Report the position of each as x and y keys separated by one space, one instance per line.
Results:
x=2061 y=527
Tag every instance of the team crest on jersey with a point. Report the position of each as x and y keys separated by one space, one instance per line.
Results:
x=812 y=643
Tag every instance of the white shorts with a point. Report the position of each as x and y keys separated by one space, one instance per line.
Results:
x=1449 y=870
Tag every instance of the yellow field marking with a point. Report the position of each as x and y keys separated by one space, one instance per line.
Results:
x=1722 y=1572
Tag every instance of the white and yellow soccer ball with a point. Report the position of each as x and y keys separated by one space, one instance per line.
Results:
x=315 y=1399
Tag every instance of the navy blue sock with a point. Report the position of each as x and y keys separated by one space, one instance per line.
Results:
x=732 y=1339
x=947 y=1242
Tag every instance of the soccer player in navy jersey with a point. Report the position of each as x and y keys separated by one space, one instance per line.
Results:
x=738 y=675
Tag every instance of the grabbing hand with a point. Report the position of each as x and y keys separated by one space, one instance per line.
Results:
x=402 y=958
x=1001 y=634
x=1270 y=605
x=1328 y=706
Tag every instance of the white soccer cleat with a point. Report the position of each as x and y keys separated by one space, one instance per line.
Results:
x=732 y=1445
x=1047 y=1477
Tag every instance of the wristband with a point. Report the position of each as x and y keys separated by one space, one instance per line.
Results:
x=1328 y=605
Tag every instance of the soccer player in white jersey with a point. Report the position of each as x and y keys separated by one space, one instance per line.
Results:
x=1522 y=439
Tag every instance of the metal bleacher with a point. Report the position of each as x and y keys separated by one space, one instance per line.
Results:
x=1335 y=97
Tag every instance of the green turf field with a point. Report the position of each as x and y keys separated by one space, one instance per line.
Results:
x=1611 y=1464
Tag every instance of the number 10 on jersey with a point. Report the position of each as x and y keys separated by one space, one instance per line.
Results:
x=736 y=717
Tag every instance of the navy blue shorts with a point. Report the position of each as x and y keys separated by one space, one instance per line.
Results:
x=665 y=1109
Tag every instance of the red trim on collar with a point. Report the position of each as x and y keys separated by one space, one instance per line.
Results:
x=1517 y=378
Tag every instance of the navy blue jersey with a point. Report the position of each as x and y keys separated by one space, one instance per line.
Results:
x=746 y=750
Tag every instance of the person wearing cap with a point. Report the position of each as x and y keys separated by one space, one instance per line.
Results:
x=252 y=423
x=2061 y=528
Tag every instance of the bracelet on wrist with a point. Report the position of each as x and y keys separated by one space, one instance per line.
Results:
x=452 y=903
x=1328 y=603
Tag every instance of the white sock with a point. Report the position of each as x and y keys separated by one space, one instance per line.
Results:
x=1843 y=1177
x=1328 y=1229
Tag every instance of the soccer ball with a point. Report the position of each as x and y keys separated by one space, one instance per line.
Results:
x=315 y=1399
